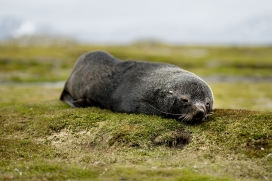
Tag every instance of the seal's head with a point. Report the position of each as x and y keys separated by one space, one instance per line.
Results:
x=188 y=98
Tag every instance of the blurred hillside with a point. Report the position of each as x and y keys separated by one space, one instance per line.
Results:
x=40 y=40
x=255 y=30
x=50 y=58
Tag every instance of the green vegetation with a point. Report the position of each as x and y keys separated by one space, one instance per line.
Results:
x=12 y=94
x=42 y=138
x=54 y=63
x=253 y=96
x=51 y=141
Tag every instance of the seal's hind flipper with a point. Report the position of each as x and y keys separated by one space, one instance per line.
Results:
x=67 y=98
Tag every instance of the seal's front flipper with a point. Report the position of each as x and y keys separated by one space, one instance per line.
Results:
x=84 y=102
x=80 y=102
x=67 y=98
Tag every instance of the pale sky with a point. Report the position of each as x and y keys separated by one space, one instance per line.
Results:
x=113 y=20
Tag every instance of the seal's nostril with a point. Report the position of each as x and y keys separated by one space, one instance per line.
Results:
x=200 y=113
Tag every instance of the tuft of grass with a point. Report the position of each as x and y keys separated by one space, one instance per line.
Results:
x=52 y=141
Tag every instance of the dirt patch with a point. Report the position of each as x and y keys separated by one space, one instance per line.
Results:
x=176 y=139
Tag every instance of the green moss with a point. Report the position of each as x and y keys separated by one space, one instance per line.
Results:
x=49 y=171
x=50 y=140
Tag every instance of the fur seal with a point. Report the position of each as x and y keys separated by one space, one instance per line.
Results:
x=99 y=79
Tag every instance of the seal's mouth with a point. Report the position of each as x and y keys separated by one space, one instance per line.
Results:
x=199 y=114
x=190 y=119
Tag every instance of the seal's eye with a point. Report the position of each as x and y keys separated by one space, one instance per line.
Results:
x=207 y=104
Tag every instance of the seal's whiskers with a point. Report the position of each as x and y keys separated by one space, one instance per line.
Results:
x=164 y=112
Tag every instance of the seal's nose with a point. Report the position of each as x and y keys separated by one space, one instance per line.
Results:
x=200 y=113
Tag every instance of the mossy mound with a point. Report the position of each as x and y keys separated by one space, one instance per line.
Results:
x=52 y=141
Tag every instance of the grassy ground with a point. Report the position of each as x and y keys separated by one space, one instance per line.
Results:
x=54 y=63
x=51 y=141
x=43 y=139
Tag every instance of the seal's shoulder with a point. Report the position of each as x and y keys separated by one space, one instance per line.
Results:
x=97 y=53
x=100 y=57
